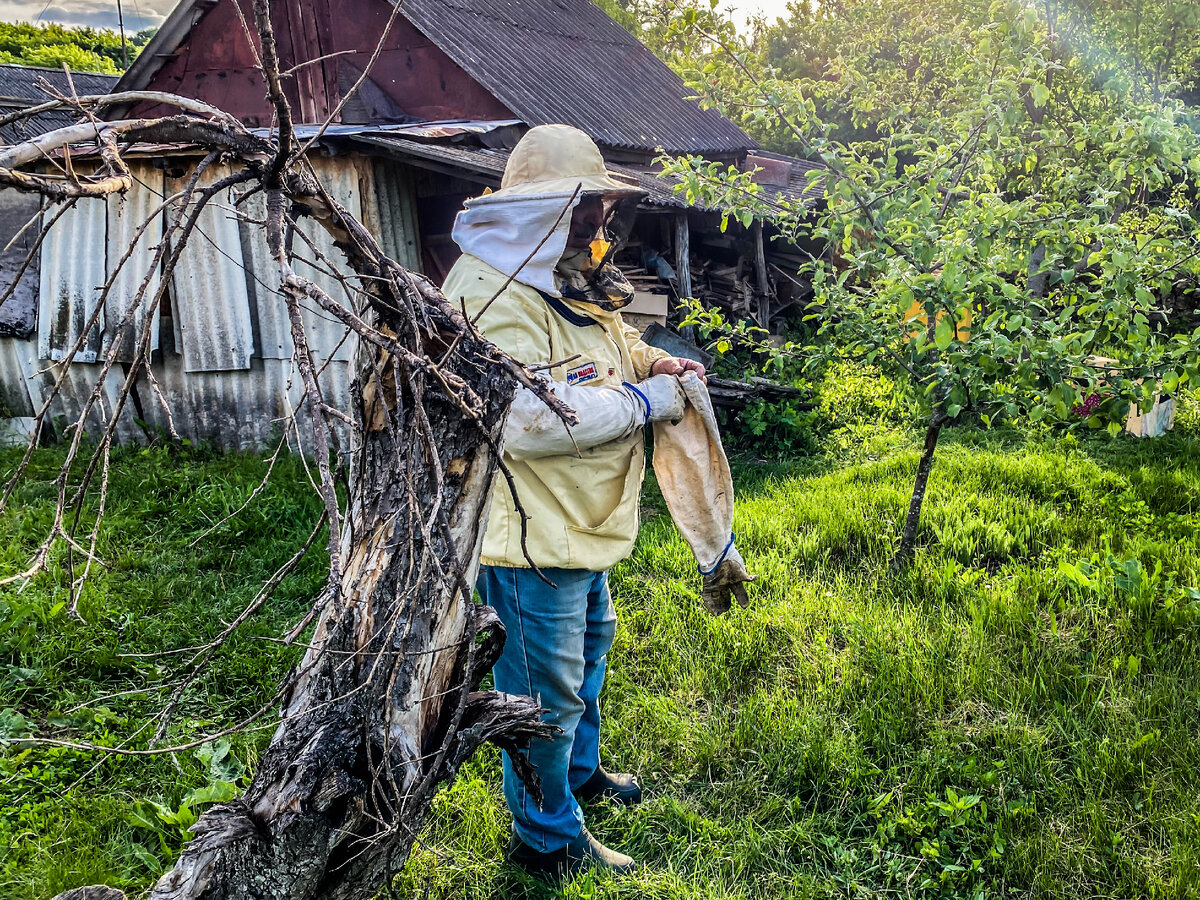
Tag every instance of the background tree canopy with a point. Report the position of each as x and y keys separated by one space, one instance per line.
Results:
x=1010 y=227
x=81 y=49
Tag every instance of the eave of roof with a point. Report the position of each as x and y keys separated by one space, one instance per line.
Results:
x=488 y=165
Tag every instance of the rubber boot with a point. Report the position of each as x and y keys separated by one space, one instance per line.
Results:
x=618 y=787
x=585 y=852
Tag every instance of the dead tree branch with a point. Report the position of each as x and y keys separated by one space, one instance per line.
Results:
x=384 y=706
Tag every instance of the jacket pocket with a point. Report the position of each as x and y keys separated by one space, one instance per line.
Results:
x=594 y=366
x=588 y=542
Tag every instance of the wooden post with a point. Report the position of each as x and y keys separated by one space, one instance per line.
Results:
x=760 y=270
x=683 y=265
x=683 y=255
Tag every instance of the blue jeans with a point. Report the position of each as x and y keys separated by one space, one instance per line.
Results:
x=556 y=651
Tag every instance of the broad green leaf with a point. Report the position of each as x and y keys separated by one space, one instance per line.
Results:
x=943 y=335
x=216 y=792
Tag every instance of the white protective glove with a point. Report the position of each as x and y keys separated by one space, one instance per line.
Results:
x=693 y=474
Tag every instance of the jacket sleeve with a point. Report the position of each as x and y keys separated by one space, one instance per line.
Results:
x=643 y=355
x=606 y=413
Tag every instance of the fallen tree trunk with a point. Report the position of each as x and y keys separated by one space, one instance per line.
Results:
x=382 y=708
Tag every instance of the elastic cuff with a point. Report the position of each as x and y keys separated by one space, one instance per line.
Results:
x=720 y=559
x=645 y=400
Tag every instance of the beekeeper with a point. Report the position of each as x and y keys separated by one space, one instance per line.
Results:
x=534 y=270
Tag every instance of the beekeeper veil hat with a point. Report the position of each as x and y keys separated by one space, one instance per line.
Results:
x=522 y=228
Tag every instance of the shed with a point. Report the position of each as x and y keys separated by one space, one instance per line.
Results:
x=454 y=85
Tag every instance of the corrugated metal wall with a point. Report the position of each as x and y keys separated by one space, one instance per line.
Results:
x=228 y=378
x=241 y=410
x=18 y=361
x=327 y=336
x=18 y=314
x=73 y=267
x=125 y=216
x=391 y=212
x=212 y=307
x=342 y=177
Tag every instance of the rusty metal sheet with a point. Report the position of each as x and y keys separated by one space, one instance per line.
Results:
x=126 y=215
x=73 y=270
x=507 y=131
x=212 y=306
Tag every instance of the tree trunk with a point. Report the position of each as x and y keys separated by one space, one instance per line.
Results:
x=908 y=538
x=382 y=708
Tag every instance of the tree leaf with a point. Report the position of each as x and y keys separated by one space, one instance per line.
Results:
x=943 y=335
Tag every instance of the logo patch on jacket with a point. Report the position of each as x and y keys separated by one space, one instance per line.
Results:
x=583 y=373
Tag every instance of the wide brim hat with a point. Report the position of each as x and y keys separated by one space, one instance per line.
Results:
x=559 y=160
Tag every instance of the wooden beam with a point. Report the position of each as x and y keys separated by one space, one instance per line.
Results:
x=760 y=271
x=683 y=254
x=683 y=266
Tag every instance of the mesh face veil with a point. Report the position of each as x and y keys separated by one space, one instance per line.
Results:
x=588 y=275
x=621 y=213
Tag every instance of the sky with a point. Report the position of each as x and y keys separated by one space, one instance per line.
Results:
x=145 y=13
x=139 y=14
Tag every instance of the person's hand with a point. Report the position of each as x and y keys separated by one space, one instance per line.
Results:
x=676 y=366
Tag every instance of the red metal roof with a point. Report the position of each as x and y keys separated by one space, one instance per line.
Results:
x=541 y=61
x=567 y=61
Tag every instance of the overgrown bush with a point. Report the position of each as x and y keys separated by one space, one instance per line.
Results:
x=1187 y=413
x=852 y=394
x=782 y=430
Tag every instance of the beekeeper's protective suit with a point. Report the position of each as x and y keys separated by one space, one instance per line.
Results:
x=540 y=296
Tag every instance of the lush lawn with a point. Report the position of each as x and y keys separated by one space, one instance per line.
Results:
x=1019 y=714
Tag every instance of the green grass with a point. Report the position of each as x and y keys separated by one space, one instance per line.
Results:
x=1016 y=715
x=56 y=831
